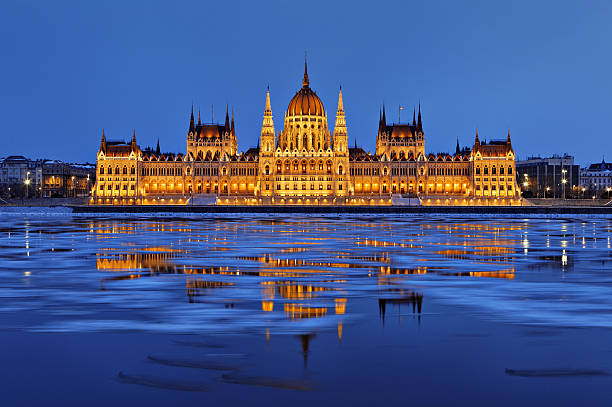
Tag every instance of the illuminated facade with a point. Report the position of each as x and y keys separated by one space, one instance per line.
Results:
x=307 y=164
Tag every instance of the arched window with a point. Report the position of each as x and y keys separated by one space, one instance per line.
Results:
x=320 y=165
x=133 y=170
x=117 y=170
x=486 y=170
x=304 y=167
x=494 y=170
x=509 y=170
x=340 y=169
x=329 y=167
x=501 y=170
x=295 y=165
x=279 y=167
x=267 y=170
x=101 y=170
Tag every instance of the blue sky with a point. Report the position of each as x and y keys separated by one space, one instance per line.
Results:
x=542 y=69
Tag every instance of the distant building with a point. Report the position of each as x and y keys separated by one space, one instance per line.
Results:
x=597 y=177
x=62 y=179
x=15 y=169
x=544 y=177
x=21 y=177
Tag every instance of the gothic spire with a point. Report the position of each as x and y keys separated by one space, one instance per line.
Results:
x=191 y=125
x=199 y=121
x=227 y=123
x=305 y=82
x=157 y=150
x=134 y=136
x=457 y=149
x=232 y=129
x=384 y=119
x=268 y=108
x=477 y=140
x=103 y=142
x=414 y=117
x=268 y=122
x=508 y=140
x=340 y=127
x=419 y=123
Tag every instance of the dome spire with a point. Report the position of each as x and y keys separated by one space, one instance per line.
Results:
x=305 y=82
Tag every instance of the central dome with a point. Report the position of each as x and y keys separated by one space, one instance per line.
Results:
x=305 y=101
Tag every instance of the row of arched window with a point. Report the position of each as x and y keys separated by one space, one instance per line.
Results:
x=118 y=170
x=304 y=166
x=493 y=170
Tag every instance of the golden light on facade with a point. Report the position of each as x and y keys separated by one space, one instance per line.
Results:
x=297 y=167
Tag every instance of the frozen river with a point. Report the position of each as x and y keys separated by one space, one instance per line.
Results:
x=434 y=309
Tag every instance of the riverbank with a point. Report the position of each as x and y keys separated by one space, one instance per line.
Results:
x=45 y=202
x=509 y=210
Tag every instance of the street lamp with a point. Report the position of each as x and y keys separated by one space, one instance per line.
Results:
x=563 y=181
x=583 y=189
x=27 y=183
x=546 y=190
x=608 y=189
x=73 y=189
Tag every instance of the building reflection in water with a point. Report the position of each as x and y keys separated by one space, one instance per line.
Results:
x=302 y=275
x=413 y=299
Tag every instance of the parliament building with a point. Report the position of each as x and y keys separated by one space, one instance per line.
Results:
x=306 y=163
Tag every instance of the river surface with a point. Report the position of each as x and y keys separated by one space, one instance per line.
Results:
x=343 y=310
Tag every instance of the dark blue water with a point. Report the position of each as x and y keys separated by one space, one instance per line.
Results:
x=254 y=309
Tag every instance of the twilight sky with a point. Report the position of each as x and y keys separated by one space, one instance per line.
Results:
x=70 y=68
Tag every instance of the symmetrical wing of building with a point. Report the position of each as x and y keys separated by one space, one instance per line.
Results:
x=306 y=163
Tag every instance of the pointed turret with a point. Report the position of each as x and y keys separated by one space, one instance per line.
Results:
x=103 y=142
x=340 y=131
x=157 y=150
x=199 y=121
x=267 y=128
x=227 y=123
x=191 y=124
x=414 y=117
x=232 y=129
x=476 y=139
x=134 y=146
x=384 y=118
x=508 y=139
x=457 y=149
x=419 y=123
x=268 y=121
